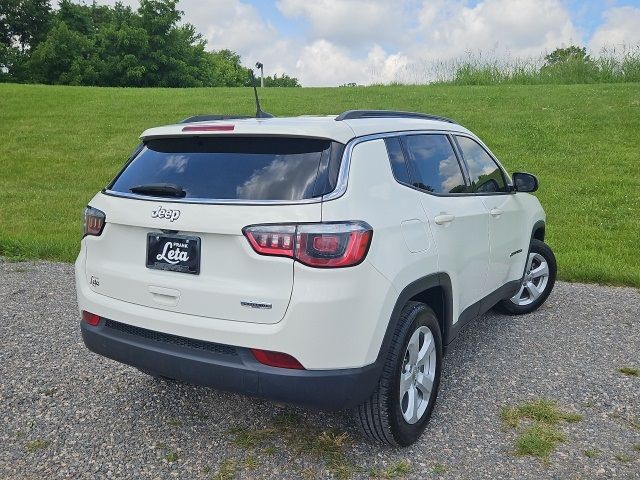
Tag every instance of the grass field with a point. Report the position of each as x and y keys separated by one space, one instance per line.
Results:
x=59 y=145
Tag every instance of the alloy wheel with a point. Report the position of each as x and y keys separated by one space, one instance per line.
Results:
x=534 y=282
x=417 y=375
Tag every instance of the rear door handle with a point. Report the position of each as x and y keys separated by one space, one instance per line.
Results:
x=444 y=218
x=496 y=212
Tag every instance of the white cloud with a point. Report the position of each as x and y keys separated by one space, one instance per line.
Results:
x=228 y=24
x=521 y=27
x=237 y=26
x=323 y=63
x=348 y=22
x=437 y=30
x=365 y=41
x=621 y=28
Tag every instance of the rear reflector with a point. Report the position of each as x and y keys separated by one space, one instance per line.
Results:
x=324 y=245
x=90 y=318
x=208 y=128
x=276 y=359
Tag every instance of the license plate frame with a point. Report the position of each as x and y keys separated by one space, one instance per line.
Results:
x=172 y=258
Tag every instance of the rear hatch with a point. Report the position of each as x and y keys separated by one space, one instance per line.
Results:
x=174 y=218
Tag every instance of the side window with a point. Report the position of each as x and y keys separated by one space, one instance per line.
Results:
x=396 y=156
x=435 y=164
x=485 y=174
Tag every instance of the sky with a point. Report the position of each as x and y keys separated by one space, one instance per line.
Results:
x=332 y=42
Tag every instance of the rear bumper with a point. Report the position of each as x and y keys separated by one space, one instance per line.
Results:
x=229 y=368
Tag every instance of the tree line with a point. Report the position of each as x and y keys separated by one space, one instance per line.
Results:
x=79 y=44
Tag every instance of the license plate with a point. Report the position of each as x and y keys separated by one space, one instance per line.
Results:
x=175 y=253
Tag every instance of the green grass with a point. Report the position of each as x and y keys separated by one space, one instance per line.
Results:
x=542 y=434
x=611 y=66
x=623 y=457
x=36 y=445
x=60 y=145
x=398 y=469
x=630 y=371
x=538 y=441
x=591 y=453
x=228 y=470
x=171 y=457
x=541 y=411
x=291 y=435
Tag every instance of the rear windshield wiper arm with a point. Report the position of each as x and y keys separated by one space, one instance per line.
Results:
x=160 y=190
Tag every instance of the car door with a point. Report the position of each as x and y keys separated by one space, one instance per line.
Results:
x=460 y=221
x=489 y=182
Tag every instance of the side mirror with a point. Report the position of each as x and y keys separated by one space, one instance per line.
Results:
x=524 y=182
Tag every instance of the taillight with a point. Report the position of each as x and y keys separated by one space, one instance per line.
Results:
x=276 y=359
x=325 y=245
x=93 y=221
x=272 y=239
x=90 y=318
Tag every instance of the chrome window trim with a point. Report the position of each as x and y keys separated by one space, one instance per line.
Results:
x=345 y=166
x=210 y=201
x=339 y=191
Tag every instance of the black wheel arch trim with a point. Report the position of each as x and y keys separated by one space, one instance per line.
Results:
x=450 y=329
x=442 y=280
x=539 y=225
x=435 y=280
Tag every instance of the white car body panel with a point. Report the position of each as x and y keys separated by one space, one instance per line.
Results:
x=310 y=126
x=231 y=272
x=325 y=318
x=324 y=305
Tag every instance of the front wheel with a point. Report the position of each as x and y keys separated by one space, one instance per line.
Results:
x=399 y=410
x=537 y=282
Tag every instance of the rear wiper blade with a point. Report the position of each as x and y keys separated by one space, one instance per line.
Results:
x=159 y=189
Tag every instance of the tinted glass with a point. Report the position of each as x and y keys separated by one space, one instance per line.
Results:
x=485 y=174
x=396 y=157
x=236 y=168
x=435 y=163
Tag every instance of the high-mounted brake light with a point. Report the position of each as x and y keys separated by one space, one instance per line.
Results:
x=94 y=220
x=324 y=245
x=208 y=128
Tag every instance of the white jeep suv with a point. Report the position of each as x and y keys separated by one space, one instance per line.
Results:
x=320 y=261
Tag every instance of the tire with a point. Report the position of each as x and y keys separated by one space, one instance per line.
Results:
x=382 y=417
x=535 y=289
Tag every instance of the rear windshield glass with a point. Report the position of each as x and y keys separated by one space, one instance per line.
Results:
x=236 y=168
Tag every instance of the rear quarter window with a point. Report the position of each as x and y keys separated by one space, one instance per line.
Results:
x=236 y=168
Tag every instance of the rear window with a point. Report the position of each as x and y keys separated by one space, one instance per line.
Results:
x=236 y=168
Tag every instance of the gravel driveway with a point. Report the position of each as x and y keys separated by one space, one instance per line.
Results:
x=65 y=412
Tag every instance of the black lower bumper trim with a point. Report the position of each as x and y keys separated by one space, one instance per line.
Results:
x=238 y=371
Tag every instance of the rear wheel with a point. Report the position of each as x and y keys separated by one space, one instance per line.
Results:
x=399 y=410
x=537 y=282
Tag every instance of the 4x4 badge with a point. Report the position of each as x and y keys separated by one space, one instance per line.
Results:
x=167 y=213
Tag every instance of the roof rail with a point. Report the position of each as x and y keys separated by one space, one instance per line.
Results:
x=359 y=114
x=209 y=118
